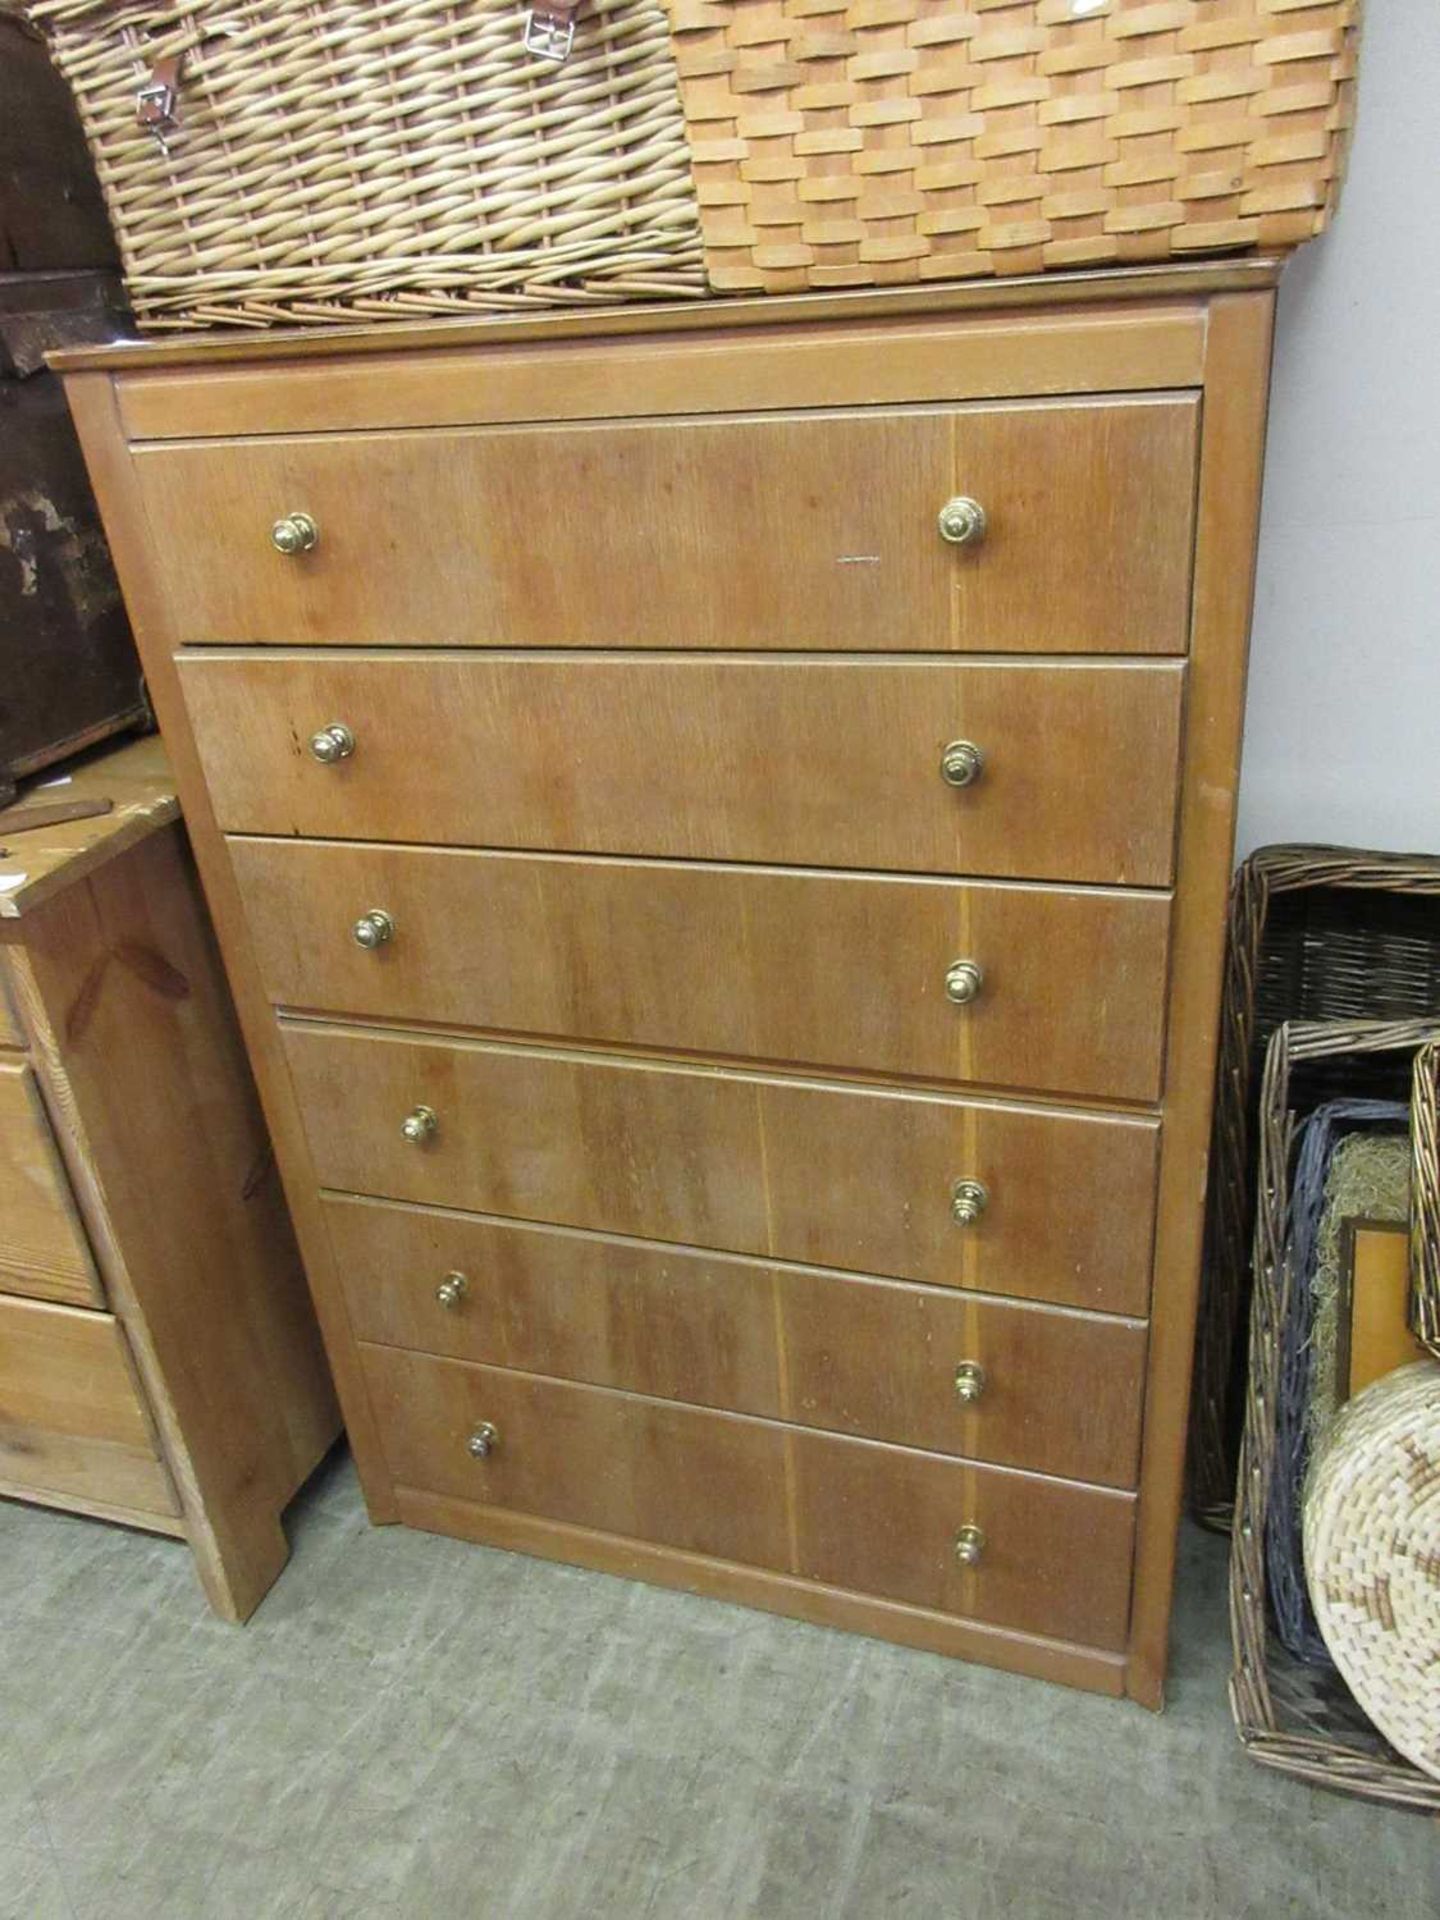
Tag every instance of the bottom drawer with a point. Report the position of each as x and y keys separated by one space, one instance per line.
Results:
x=853 y=1514
x=71 y=1423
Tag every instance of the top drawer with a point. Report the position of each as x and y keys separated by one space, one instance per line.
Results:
x=808 y=531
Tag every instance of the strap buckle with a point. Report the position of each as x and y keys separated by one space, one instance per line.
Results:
x=550 y=31
x=157 y=101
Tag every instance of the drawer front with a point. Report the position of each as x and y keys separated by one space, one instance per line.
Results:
x=1055 y=1558
x=837 y=1177
x=71 y=1424
x=630 y=535
x=820 y=969
x=10 y=1030
x=703 y=1482
x=43 y=1251
x=1056 y=1392
x=825 y=763
x=868 y=1518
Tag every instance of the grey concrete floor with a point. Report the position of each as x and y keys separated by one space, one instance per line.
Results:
x=411 y=1726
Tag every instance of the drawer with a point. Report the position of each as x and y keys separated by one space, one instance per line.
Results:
x=846 y=1177
x=1054 y=1558
x=630 y=535
x=43 y=1250
x=71 y=1424
x=11 y=1034
x=825 y=969
x=1054 y=1391
x=703 y=1482
x=804 y=762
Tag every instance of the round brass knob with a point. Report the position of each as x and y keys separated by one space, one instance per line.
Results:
x=968 y=1200
x=332 y=743
x=969 y=1545
x=963 y=981
x=294 y=533
x=373 y=929
x=961 y=764
x=419 y=1125
x=962 y=521
x=969 y=1381
x=452 y=1290
x=483 y=1441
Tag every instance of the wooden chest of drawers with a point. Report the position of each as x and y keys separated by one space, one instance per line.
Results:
x=720 y=823
x=159 y=1360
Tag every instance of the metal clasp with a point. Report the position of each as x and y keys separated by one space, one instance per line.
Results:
x=157 y=100
x=550 y=33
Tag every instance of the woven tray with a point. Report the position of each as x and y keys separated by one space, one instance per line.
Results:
x=1316 y=933
x=1372 y=1544
x=333 y=160
x=841 y=145
x=1290 y=1717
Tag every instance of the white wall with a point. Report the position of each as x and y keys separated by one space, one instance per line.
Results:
x=1342 y=735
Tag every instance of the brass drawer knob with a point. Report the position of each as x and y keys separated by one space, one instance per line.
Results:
x=962 y=521
x=969 y=1545
x=968 y=1200
x=452 y=1290
x=419 y=1125
x=483 y=1441
x=961 y=764
x=969 y=1382
x=332 y=743
x=373 y=929
x=963 y=981
x=294 y=533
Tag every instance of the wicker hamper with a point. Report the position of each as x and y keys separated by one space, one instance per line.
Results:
x=338 y=159
x=838 y=145
x=1316 y=933
x=335 y=160
x=1294 y=1718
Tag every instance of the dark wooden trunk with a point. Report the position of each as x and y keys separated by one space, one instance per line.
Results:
x=68 y=671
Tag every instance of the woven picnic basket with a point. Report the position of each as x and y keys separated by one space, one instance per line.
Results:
x=1316 y=933
x=334 y=160
x=1295 y=1717
x=843 y=143
x=340 y=159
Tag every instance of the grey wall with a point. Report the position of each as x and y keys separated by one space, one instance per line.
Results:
x=1342 y=736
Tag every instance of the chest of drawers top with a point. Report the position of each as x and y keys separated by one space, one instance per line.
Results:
x=720 y=821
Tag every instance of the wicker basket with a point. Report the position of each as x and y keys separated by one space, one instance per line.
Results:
x=1316 y=933
x=340 y=159
x=837 y=145
x=1297 y=1719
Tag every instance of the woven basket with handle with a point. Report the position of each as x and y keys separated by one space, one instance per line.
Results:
x=840 y=144
x=1295 y=1718
x=333 y=160
x=1316 y=933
